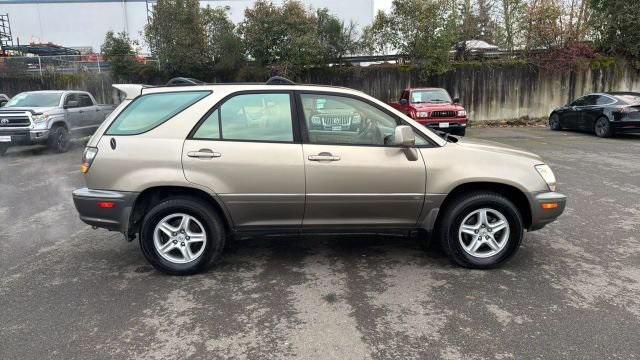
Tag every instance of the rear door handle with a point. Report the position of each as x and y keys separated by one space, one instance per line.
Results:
x=204 y=154
x=324 y=156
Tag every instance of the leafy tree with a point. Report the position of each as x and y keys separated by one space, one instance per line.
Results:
x=224 y=45
x=512 y=16
x=281 y=36
x=543 y=25
x=380 y=36
x=617 y=27
x=119 y=50
x=335 y=38
x=176 y=35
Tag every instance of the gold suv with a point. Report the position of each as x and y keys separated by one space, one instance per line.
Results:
x=185 y=167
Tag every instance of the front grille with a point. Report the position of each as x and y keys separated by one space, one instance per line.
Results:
x=443 y=114
x=14 y=121
x=336 y=120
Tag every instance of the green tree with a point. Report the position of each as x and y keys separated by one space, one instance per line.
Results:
x=176 y=35
x=617 y=27
x=512 y=15
x=224 y=45
x=380 y=36
x=283 y=37
x=335 y=38
x=119 y=50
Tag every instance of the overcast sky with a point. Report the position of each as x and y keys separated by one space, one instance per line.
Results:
x=381 y=5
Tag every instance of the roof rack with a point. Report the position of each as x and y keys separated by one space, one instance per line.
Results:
x=279 y=80
x=182 y=81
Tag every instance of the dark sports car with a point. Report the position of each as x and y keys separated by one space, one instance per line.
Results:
x=605 y=114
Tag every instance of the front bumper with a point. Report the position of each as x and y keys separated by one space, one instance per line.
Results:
x=444 y=124
x=115 y=218
x=24 y=137
x=545 y=208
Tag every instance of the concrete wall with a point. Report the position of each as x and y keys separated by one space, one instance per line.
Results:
x=488 y=93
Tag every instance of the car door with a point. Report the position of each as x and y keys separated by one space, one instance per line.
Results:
x=570 y=116
x=247 y=150
x=72 y=109
x=588 y=112
x=354 y=175
x=87 y=115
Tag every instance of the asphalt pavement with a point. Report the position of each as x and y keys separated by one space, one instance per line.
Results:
x=573 y=290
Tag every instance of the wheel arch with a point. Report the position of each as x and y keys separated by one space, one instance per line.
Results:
x=153 y=195
x=517 y=196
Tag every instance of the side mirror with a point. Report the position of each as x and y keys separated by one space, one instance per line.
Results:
x=71 y=104
x=456 y=100
x=404 y=101
x=403 y=136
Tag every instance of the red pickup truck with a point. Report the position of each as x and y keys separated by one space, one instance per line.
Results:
x=434 y=108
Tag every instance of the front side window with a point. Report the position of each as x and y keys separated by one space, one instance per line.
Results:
x=346 y=121
x=579 y=102
x=148 y=111
x=35 y=99
x=84 y=100
x=257 y=117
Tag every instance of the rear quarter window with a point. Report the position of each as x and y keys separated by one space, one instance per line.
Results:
x=149 y=111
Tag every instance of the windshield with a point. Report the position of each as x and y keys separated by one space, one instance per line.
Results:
x=35 y=100
x=430 y=96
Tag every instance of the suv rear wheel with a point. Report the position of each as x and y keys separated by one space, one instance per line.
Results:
x=181 y=236
x=481 y=231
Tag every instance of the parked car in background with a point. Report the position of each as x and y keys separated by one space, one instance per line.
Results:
x=49 y=117
x=3 y=100
x=434 y=108
x=183 y=167
x=605 y=114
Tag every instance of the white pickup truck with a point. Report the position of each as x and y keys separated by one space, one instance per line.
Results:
x=49 y=117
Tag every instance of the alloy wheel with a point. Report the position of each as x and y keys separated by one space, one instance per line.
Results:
x=179 y=238
x=484 y=233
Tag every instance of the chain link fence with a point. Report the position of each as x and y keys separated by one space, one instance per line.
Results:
x=59 y=64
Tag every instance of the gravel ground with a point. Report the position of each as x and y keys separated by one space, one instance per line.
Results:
x=573 y=290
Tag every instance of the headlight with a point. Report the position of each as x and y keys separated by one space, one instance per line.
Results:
x=39 y=118
x=422 y=114
x=547 y=175
x=462 y=112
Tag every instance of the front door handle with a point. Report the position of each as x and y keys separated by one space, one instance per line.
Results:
x=204 y=154
x=324 y=156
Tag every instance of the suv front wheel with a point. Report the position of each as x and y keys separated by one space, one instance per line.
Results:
x=181 y=236
x=481 y=231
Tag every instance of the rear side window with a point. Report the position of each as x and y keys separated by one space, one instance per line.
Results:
x=148 y=111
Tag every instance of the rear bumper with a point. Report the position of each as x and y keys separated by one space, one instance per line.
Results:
x=24 y=137
x=627 y=127
x=541 y=216
x=115 y=218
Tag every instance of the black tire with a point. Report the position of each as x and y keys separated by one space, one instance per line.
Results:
x=59 y=139
x=212 y=225
x=554 y=122
x=602 y=128
x=455 y=213
x=3 y=149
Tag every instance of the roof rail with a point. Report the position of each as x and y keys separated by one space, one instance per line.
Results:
x=183 y=81
x=279 y=80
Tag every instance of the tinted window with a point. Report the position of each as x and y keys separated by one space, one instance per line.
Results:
x=343 y=120
x=579 y=102
x=148 y=111
x=71 y=100
x=84 y=100
x=210 y=128
x=630 y=99
x=590 y=100
x=257 y=117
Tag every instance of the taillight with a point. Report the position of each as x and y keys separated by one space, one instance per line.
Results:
x=87 y=158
